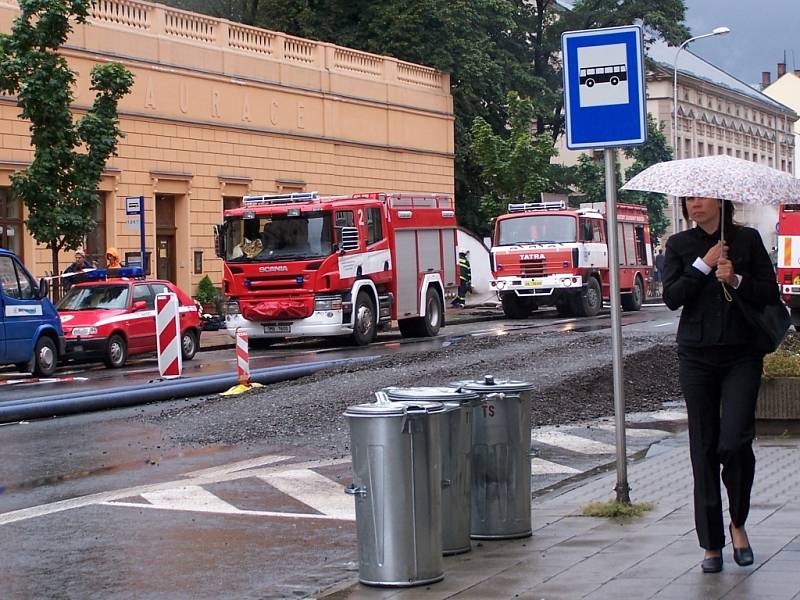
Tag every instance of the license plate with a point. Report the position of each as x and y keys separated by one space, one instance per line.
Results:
x=533 y=283
x=277 y=327
x=77 y=348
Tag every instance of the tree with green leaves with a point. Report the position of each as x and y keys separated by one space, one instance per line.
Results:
x=515 y=165
x=59 y=188
x=656 y=150
x=590 y=177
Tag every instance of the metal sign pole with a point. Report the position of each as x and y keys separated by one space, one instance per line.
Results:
x=141 y=232
x=622 y=488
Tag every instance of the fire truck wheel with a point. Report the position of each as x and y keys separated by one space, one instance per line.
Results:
x=564 y=309
x=116 y=352
x=188 y=344
x=45 y=358
x=589 y=302
x=633 y=301
x=516 y=307
x=365 y=325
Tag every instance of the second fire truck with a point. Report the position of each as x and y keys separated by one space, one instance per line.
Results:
x=304 y=265
x=547 y=254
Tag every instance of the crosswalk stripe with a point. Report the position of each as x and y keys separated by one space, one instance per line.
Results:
x=634 y=432
x=540 y=466
x=571 y=442
x=314 y=490
x=191 y=498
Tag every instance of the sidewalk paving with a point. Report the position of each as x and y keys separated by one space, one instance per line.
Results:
x=655 y=556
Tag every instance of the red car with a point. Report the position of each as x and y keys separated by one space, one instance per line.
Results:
x=113 y=319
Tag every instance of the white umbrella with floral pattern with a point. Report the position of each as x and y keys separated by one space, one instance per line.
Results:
x=722 y=177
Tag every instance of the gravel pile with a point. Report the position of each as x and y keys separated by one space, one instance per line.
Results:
x=571 y=374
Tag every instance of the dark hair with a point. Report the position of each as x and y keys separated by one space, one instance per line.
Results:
x=729 y=210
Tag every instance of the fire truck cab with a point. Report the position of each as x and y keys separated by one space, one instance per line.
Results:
x=547 y=254
x=305 y=265
x=788 y=266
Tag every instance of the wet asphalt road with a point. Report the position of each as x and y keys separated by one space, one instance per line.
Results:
x=92 y=506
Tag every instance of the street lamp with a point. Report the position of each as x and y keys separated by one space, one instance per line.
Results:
x=676 y=219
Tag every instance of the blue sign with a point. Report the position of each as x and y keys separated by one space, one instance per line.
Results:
x=604 y=97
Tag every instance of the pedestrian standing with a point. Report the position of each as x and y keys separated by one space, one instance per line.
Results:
x=79 y=264
x=465 y=280
x=112 y=259
x=719 y=368
x=659 y=274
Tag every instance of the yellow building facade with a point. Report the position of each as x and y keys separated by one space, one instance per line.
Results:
x=220 y=110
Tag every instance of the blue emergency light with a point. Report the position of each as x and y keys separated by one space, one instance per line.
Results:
x=121 y=272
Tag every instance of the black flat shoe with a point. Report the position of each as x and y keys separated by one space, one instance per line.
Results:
x=742 y=556
x=712 y=565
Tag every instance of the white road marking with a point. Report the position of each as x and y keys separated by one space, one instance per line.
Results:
x=103 y=497
x=190 y=498
x=571 y=442
x=247 y=513
x=540 y=466
x=633 y=432
x=315 y=490
x=663 y=325
x=238 y=466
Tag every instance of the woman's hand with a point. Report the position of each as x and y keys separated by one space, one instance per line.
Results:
x=712 y=256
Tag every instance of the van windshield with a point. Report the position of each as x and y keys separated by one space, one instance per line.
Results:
x=279 y=237
x=113 y=297
x=537 y=229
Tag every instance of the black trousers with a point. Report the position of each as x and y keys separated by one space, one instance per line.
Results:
x=720 y=385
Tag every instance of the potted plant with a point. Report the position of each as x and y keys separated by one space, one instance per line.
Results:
x=779 y=395
x=208 y=296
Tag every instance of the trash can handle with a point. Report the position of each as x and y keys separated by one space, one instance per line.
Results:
x=411 y=411
x=382 y=398
x=356 y=490
x=495 y=396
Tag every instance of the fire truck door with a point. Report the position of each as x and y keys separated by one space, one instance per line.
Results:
x=407 y=273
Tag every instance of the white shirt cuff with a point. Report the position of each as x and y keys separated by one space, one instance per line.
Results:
x=701 y=266
x=738 y=281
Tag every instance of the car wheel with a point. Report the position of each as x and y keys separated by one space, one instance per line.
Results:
x=188 y=344
x=116 y=352
x=45 y=357
x=364 y=323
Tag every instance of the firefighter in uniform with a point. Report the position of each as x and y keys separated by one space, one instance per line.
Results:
x=465 y=273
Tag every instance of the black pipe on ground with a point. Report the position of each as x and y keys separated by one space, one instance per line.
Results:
x=48 y=406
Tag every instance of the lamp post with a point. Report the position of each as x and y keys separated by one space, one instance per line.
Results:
x=676 y=219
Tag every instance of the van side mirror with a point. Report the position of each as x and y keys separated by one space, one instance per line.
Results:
x=348 y=239
x=44 y=288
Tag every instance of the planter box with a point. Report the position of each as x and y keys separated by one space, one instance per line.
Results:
x=779 y=398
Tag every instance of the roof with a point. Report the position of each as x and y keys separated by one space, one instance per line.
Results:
x=691 y=65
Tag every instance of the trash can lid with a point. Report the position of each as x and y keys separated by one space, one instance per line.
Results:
x=488 y=384
x=436 y=394
x=383 y=407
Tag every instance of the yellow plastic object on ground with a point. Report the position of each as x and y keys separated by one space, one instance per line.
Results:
x=240 y=388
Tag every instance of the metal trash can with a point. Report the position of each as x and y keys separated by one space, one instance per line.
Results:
x=397 y=488
x=456 y=444
x=501 y=465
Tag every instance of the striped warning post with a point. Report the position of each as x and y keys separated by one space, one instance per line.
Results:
x=168 y=336
x=242 y=357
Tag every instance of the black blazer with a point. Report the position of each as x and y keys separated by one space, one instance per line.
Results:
x=708 y=319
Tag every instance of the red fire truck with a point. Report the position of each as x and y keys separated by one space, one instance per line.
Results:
x=304 y=265
x=547 y=254
x=789 y=258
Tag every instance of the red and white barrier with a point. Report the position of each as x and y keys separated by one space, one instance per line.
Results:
x=242 y=357
x=168 y=336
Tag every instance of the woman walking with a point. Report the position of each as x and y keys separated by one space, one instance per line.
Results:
x=719 y=368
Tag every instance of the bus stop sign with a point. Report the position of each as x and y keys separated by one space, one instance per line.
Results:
x=604 y=96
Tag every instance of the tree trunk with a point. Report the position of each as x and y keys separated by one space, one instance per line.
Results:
x=55 y=284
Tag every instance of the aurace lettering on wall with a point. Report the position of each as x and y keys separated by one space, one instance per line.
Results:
x=266 y=113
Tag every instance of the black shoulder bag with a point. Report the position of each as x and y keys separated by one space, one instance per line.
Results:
x=772 y=322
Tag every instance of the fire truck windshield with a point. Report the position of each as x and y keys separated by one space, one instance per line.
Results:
x=537 y=229
x=279 y=237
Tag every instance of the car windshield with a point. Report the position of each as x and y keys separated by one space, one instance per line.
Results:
x=94 y=297
x=279 y=237
x=538 y=229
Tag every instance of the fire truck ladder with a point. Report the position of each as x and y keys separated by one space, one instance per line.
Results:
x=526 y=206
x=280 y=198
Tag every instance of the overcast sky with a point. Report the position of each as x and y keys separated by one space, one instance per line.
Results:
x=761 y=30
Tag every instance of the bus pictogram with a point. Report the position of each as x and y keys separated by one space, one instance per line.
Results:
x=612 y=74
